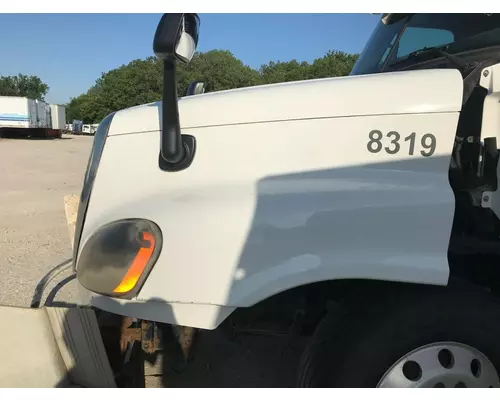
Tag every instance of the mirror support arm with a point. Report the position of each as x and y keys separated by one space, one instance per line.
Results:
x=172 y=149
x=176 y=151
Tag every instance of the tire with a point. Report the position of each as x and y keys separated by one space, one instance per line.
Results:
x=381 y=326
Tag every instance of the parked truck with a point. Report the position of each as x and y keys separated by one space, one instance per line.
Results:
x=77 y=127
x=89 y=129
x=21 y=116
x=362 y=212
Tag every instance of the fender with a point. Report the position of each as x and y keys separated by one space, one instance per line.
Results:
x=292 y=184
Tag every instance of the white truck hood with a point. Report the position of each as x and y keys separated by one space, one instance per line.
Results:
x=410 y=92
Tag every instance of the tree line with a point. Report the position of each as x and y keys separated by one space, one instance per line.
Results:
x=23 y=86
x=140 y=81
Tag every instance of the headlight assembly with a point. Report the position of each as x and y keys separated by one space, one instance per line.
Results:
x=116 y=260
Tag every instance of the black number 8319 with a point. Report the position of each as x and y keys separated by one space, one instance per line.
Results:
x=392 y=143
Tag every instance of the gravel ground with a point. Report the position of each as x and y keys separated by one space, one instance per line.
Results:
x=35 y=176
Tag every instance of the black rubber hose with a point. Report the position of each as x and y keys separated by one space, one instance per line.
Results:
x=42 y=285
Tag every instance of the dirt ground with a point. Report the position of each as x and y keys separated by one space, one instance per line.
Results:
x=35 y=176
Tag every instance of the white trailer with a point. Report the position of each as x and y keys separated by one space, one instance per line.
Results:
x=43 y=114
x=18 y=112
x=21 y=116
x=58 y=116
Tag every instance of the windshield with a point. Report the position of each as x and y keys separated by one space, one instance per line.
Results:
x=395 y=42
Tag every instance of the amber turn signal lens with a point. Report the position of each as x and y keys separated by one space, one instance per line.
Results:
x=138 y=265
x=117 y=259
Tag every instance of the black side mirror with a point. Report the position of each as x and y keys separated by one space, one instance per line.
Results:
x=175 y=40
x=195 y=88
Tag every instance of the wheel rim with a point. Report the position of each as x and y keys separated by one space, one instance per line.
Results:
x=442 y=365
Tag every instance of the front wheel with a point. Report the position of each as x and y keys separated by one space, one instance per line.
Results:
x=408 y=336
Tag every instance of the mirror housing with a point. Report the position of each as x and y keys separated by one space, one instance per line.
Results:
x=195 y=88
x=176 y=37
x=175 y=40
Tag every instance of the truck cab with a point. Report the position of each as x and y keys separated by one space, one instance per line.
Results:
x=361 y=210
x=469 y=44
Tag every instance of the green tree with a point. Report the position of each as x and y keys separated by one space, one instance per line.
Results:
x=334 y=63
x=23 y=86
x=140 y=81
x=287 y=71
x=219 y=70
x=136 y=83
x=74 y=108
